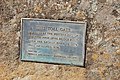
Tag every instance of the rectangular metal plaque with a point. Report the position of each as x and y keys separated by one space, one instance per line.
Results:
x=61 y=42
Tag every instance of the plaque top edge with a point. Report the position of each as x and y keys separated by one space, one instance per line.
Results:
x=52 y=20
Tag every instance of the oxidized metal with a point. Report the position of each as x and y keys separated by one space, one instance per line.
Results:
x=53 y=41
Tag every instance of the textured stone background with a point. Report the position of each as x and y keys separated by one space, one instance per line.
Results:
x=103 y=39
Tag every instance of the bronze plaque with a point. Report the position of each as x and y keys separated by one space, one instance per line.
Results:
x=50 y=41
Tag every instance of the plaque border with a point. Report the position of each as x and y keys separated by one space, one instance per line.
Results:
x=61 y=21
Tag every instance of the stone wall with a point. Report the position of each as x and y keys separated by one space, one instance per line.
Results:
x=102 y=43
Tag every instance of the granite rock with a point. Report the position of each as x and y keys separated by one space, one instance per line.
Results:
x=102 y=45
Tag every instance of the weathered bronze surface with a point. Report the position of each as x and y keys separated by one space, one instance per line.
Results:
x=53 y=41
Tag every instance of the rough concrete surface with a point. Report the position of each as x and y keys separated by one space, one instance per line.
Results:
x=102 y=42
